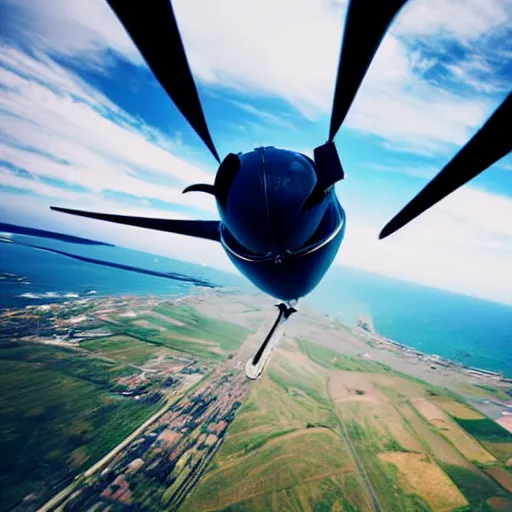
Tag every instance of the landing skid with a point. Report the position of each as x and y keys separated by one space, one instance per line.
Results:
x=254 y=366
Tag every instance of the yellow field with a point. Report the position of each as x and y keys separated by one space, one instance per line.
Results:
x=439 y=446
x=422 y=476
x=470 y=448
x=456 y=409
x=385 y=421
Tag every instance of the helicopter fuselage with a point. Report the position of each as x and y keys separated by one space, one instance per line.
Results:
x=281 y=248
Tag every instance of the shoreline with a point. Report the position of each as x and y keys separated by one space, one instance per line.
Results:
x=202 y=292
x=434 y=359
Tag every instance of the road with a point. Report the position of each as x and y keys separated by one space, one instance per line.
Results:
x=57 y=502
x=59 y=498
x=345 y=438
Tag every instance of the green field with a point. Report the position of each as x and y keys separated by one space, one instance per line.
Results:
x=492 y=436
x=332 y=360
x=182 y=329
x=124 y=349
x=283 y=451
x=486 y=430
x=57 y=417
x=287 y=447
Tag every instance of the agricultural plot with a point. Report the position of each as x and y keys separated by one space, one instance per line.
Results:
x=263 y=466
x=502 y=476
x=494 y=438
x=391 y=467
x=484 y=391
x=470 y=448
x=271 y=456
x=413 y=451
x=457 y=409
x=182 y=329
x=124 y=349
x=491 y=435
x=418 y=474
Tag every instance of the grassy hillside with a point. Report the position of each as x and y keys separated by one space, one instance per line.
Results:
x=289 y=447
x=283 y=451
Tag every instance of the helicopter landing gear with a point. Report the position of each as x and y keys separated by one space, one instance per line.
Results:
x=254 y=366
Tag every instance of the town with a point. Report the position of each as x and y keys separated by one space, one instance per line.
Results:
x=168 y=362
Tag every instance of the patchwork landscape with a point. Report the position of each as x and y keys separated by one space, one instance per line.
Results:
x=142 y=404
x=323 y=431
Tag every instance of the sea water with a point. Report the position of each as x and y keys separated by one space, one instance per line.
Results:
x=464 y=329
x=55 y=277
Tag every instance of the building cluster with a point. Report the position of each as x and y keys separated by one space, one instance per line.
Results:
x=69 y=320
x=172 y=453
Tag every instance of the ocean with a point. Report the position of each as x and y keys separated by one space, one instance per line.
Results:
x=464 y=329
x=52 y=276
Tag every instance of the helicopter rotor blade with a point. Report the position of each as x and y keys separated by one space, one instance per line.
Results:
x=365 y=26
x=492 y=142
x=153 y=28
x=208 y=229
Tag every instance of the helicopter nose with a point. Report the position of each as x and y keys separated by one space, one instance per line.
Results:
x=263 y=208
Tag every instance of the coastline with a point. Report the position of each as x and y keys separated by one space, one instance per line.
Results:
x=434 y=359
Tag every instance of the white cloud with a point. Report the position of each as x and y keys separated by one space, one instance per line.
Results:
x=8 y=179
x=297 y=61
x=266 y=117
x=427 y=120
x=82 y=27
x=463 y=20
x=290 y=49
x=463 y=245
x=417 y=171
x=505 y=164
x=56 y=126
x=477 y=74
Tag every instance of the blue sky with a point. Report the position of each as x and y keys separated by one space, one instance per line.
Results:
x=84 y=124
